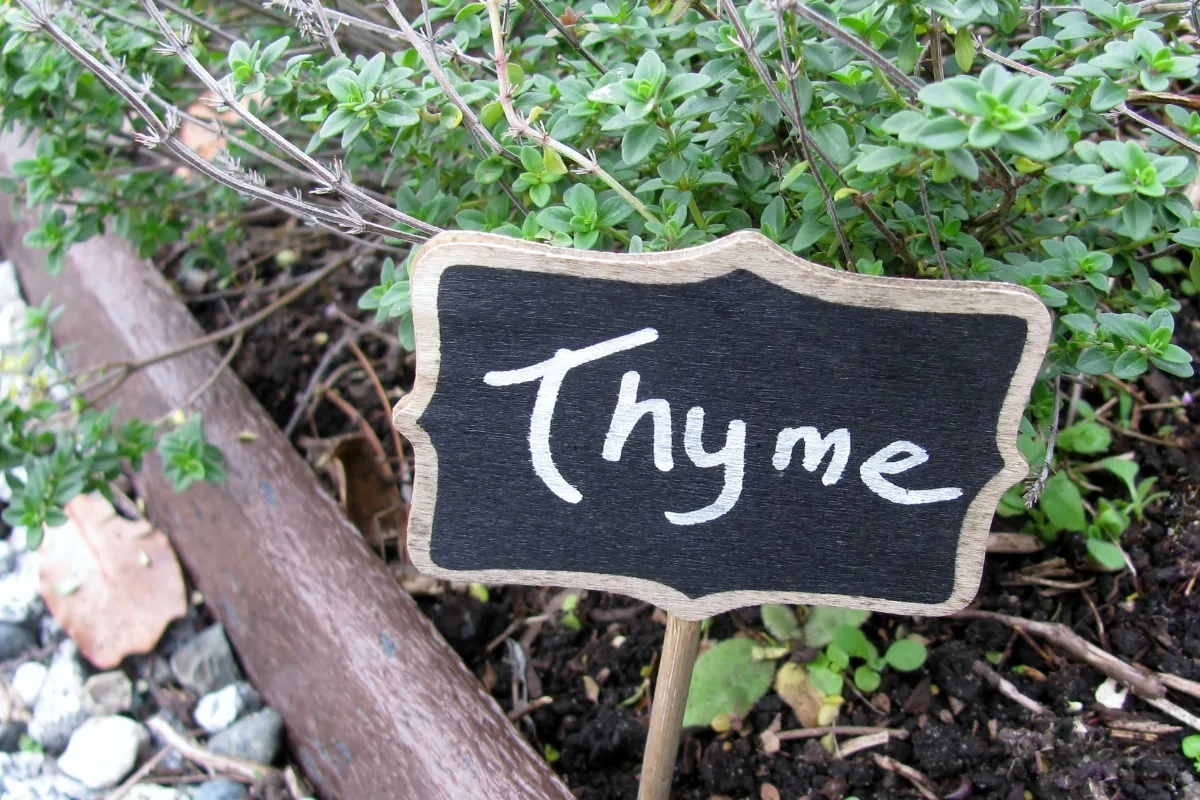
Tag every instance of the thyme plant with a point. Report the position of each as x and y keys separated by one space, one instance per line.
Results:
x=1044 y=144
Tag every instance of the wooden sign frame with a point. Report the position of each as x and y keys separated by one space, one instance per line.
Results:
x=754 y=253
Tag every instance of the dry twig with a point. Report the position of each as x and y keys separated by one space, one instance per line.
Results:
x=1008 y=688
x=245 y=770
x=919 y=781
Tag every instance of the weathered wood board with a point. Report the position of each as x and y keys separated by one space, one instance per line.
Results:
x=715 y=427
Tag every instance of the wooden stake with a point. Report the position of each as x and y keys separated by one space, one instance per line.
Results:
x=670 y=700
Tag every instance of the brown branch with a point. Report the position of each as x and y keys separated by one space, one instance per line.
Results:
x=931 y=227
x=568 y=36
x=839 y=730
x=246 y=770
x=434 y=64
x=1008 y=689
x=1060 y=636
x=919 y=781
x=397 y=442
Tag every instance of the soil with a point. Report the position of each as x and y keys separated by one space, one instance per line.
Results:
x=966 y=737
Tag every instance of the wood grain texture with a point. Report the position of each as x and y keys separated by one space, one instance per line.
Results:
x=750 y=253
x=376 y=703
x=670 y=701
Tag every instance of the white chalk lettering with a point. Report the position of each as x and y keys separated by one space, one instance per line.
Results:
x=628 y=412
x=894 y=459
x=732 y=456
x=551 y=373
x=880 y=464
x=815 y=448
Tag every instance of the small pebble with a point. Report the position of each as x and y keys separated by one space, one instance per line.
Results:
x=218 y=710
x=220 y=789
x=108 y=693
x=59 y=708
x=103 y=751
x=14 y=641
x=10 y=736
x=258 y=737
x=205 y=663
x=27 y=682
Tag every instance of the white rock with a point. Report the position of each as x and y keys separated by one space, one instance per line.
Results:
x=149 y=791
x=108 y=693
x=59 y=708
x=25 y=766
x=218 y=710
x=1110 y=695
x=103 y=751
x=27 y=682
x=21 y=592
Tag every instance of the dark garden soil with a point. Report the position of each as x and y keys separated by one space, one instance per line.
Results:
x=965 y=736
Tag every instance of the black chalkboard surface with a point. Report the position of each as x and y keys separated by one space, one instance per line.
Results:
x=716 y=427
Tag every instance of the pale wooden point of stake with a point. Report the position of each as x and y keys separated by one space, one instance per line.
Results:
x=670 y=701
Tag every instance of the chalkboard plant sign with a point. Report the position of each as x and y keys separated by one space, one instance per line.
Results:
x=709 y=428
x=721 y=426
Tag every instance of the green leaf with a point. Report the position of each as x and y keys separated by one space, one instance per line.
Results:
x=823 y=620
x=684 y=84
x=553 y=161
x=1108 y=554
x=866 y=679
x=1079 y=322
x=1108 y=95
x=905 y=655
x=1086 y=438
x=1062 y=503
x=780 y=621
x=956 y=93
x=581 y=200
x=964 y=49
x=397 y=114
x=1130 y=364
x=1138 y=218
x=540 y=194
x=490 y=170
x=774 y=219
x=638 y=141
x=1191 y=746
x=650 y=68
x=943 y=133
x=726 y=680
x=531 y=159
x=336 y=123
x=882 y=158
x=1188 y=237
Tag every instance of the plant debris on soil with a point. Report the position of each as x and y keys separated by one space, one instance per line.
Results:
x=962 y=736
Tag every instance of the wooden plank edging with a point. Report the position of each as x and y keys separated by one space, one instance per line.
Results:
x=376 y=703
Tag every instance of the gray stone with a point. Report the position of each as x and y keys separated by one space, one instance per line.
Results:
x=205 y=663
x=258 y=737
x=217 y=710
x=108 y=693
x=59 y=708
x=220 y=789
x=14 y=641
x=50 y=632
x=103 y=751
x=21 y=593
x=10 y=736
x=27 y=682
